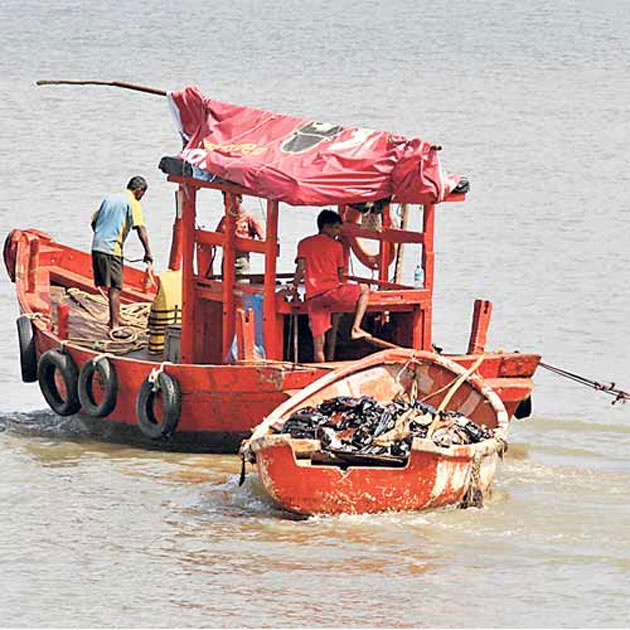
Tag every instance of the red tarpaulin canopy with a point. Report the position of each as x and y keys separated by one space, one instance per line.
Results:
x=305 y=162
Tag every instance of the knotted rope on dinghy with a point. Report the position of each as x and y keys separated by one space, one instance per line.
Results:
x=474 y=493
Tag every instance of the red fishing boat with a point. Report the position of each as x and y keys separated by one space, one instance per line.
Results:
x=301 y=477
x=234 y=350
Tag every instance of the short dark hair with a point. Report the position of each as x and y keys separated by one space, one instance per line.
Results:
x=239 y=196
x=137 y=182
x=328 y=217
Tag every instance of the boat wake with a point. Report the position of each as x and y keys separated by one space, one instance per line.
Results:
x=246 y=500
x=43 y=423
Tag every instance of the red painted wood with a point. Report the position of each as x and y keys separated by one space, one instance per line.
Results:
x=229 y=274
x=482 y=313
x=329 y=490
x=433 y=477
x=187 y=341
x=428 y=222
x=241 y=244
x=175 y=256
x=272 y=332
x=63 y=312
x=245 y=333
x=390 y=234
x=224 y=398
x=385 y=251
x=33 y=263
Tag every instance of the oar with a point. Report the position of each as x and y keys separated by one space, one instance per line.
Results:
x=119 y=84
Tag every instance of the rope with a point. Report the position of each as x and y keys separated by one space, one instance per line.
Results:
x=34 y=316
x=619 y=394
x=129 y=337
x=155 y=373
x=474 y=494
x=106 y=346
x=404 y=367
x=502 y=448
x=451 y=392
x=123 y=333
x=414 y=392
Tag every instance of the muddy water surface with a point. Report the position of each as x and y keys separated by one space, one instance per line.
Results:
x=531 y=103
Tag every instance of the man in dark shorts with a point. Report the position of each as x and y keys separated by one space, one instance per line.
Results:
x=111 y=224
x=321 y=264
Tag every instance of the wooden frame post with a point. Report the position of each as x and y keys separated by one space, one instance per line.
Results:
x=482 y=312
x=189 y=280
x=175 y=256
x=385 y=247
x=400 y=248
x=425 y=322
x=273 y=349
x=428 y=254
x=229 y=274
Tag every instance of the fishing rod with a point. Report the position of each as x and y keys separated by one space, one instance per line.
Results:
x=119 y=84
x=610 y=388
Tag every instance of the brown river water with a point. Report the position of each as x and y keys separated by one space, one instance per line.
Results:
x=531 y=103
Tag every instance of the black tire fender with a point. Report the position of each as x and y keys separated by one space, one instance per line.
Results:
x=51 y=362
x=171 y=402
x=107 y=373
x=28 y=355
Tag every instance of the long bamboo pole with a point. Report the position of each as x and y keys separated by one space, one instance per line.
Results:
x=119 y=84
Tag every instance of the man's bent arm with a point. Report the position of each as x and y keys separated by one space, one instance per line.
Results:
x=298 y=277
x=143 y=235
x=300 y=266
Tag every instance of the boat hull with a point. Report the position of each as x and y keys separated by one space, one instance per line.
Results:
x=432 y=478
x=297 y=479
x=220 y=404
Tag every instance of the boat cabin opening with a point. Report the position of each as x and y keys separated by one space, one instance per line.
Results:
x=229 y=318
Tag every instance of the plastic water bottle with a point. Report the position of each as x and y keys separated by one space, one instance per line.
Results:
x=418 y=277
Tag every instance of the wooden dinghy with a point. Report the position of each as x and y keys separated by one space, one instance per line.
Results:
x=301 y=477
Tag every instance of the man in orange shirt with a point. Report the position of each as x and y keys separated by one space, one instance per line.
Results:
x=321 y=264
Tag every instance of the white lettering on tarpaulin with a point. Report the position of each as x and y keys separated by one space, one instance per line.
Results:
x=194 y=156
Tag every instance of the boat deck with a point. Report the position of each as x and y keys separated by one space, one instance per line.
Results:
x=87 y=323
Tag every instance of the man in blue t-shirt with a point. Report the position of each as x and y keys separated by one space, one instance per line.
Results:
x=111 y=224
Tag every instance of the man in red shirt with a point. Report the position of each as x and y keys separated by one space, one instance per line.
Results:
x=321 y=264
x=246 y=225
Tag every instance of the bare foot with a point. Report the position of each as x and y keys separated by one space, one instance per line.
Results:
x=358 y=333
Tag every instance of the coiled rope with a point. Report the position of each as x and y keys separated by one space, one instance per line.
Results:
x=131 y=336
x=609 y=388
